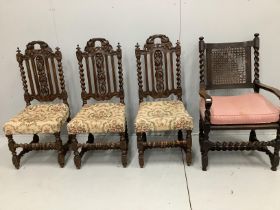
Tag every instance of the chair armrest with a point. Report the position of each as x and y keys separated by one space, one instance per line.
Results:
x=273 y=90
x=206 y=97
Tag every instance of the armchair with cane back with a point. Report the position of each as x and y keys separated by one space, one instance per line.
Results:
x=227 y=66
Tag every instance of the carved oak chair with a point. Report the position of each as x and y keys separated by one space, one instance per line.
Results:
x=161 y=70
x=43 y=82
x=103 y=82
x=227 y=66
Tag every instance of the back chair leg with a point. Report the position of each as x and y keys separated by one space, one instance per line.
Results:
x=12 y=148
x=275 y=157
x=189 y=147
x=60 y=149
x=75 y=148
x=90 y=138
x=140 y=149
x=144 y=137
x=89 y=141
x=201 y=134
x=123 y=145
x=126 y=137
x=180 y=135
x=253 y=136
x=35 y=138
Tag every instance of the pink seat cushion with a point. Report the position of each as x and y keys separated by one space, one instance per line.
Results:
x=251 y=108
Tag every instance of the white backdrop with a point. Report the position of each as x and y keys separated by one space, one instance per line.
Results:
x=66 y=23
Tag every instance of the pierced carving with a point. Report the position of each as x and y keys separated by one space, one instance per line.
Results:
x=164 y=42
x=38 y=66
x=159 y=68
x=44 y=90
x=92 y=48
x=101 y=78
x=159 y=71
x=98 y=69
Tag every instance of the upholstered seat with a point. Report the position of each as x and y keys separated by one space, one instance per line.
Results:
x=251 y=108
x=99 y=118
x=40 y=118
x=162 y=116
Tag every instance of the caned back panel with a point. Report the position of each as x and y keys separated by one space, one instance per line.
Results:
x=158 y=68
x=102 y=78
x=228 y=65
x=42 y=74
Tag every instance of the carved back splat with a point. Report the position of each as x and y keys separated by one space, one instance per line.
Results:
x=101 y=63
x=41 y=72
x=155 y=63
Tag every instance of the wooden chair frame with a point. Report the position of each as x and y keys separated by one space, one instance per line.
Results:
x=99 y=88
x=206 y=83
x=160 y=88
x=45 y=83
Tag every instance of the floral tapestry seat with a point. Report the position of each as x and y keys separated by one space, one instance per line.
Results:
x=99 y=118
x=40 y=118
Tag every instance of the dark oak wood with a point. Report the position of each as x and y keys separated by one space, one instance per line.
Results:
x=104 y=78
x=158 y=68
x=218 y=69
x=100 y=73
x=45 y=83
x=162 y=78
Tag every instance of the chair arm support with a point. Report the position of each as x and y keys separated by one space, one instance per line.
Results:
x=273 y=90
x=208 y=104
x=206 y=97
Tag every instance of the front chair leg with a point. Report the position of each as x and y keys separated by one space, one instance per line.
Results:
x=204 y=144
x=201 y=133
x=275 y=157
x=189 y=147
x=60 y=149
x=12 y=148
x=140 y=150
x=75 y=148
x=123 y=149
x=204 y=159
